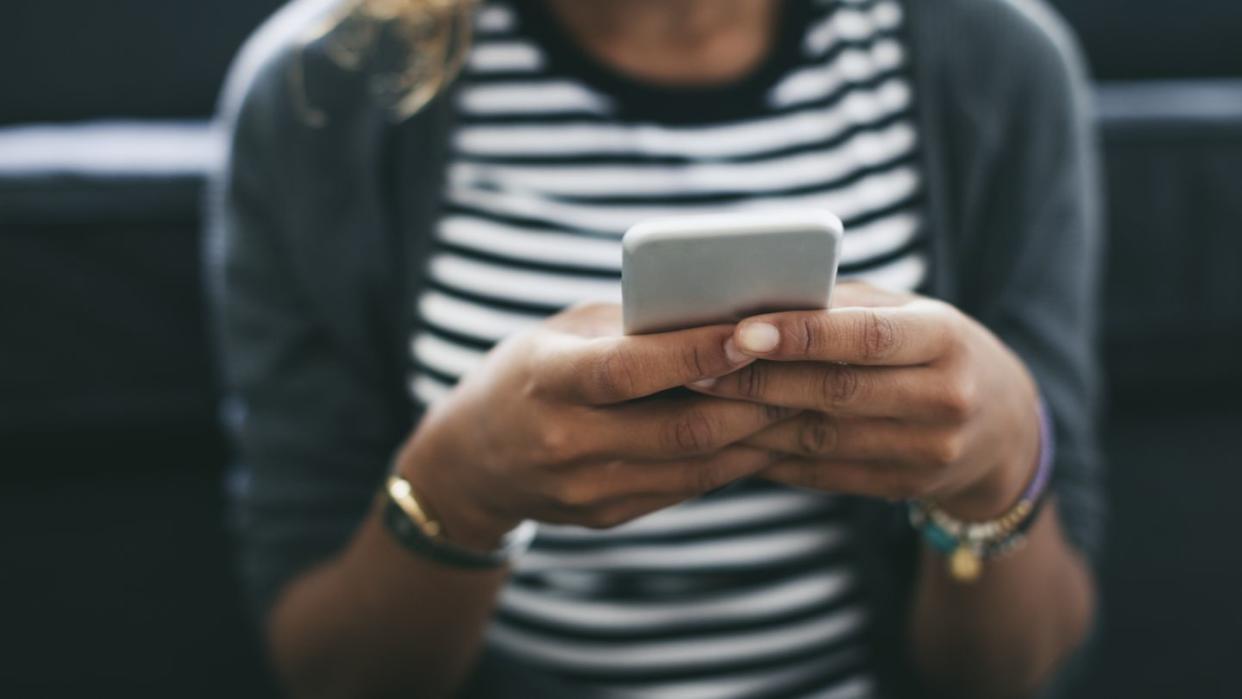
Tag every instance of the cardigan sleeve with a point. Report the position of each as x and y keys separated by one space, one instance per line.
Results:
x=1029 y=260
x=311 y=420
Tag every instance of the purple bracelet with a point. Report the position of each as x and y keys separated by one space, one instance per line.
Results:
x=1047 y=447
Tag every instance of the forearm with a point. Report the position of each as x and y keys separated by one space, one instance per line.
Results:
x=1004 y=634
x=379 y=620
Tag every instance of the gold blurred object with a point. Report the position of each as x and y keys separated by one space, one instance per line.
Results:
x=402 y=493
x=964 y=564
x=409 y=49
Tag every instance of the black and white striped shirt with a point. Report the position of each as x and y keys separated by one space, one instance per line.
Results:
x=750 y=591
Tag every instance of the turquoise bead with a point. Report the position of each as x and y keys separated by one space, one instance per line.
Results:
x=939 y=538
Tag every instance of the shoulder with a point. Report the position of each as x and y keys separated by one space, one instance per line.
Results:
x=996 y=45
x=283 y=90
x=1024 y=36
x=261 y=76
x=283 y=70
x=994 y=71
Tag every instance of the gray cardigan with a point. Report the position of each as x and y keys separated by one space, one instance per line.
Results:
x=320 y=232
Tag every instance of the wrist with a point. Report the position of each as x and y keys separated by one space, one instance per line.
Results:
x=993 y=495
x=435 y=476
x=1003 y=486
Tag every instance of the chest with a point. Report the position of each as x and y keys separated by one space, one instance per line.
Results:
x=551 y=162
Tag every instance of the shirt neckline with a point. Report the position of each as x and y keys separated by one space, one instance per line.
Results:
x=639 y=100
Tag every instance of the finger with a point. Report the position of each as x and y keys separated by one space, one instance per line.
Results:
x=678 y=427
x=627 y=509
x=916 y=333
x=611 y=513
x=693 y=477
x=589 y=319
x=870 y=479
x=602 y=484
x=817 y=435
x=609 y=370
x=854 y=293
x=839 y=389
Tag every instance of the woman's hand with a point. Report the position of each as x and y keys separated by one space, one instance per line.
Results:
x=904 y=397
x=563 y=424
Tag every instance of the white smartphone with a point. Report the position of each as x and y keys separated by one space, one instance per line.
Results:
x=688 y=271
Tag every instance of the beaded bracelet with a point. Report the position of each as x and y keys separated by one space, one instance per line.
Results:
x=968 y=544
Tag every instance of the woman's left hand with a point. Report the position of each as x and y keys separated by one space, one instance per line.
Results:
x=902 y=396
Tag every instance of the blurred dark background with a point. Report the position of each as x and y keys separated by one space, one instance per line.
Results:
x=115 y=572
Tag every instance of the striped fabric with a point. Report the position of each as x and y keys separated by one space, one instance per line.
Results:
x=750 y=591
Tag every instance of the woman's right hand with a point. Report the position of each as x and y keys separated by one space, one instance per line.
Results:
x=572 y=423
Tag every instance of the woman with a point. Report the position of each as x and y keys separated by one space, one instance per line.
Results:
x=724 y=511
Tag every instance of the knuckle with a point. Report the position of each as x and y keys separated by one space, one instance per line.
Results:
x=968 y=394
x=877 y=336
x=953 y=328
x=817 y=435
x=556 y=443
x=953 y=347
x=752 y=382
x=944 y=450
x=539 y=380
x=693 y=361
x=615 y=376
x=841 y=385
x=806 y=334
x=690 y=433
x=774 y=413
x=540 y=385
x=534 y=387
x=705 y=477
x=950 y=313
x=573 y=494
x=957 y=400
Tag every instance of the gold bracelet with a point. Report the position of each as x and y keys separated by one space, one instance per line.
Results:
x=402 y=493
x=416 y=528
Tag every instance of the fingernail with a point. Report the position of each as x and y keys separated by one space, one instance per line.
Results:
x=759 y=337
x=734 y=355
x=704 y=383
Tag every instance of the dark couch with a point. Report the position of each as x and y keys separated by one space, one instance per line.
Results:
x=116 y=572
x=116 y=577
